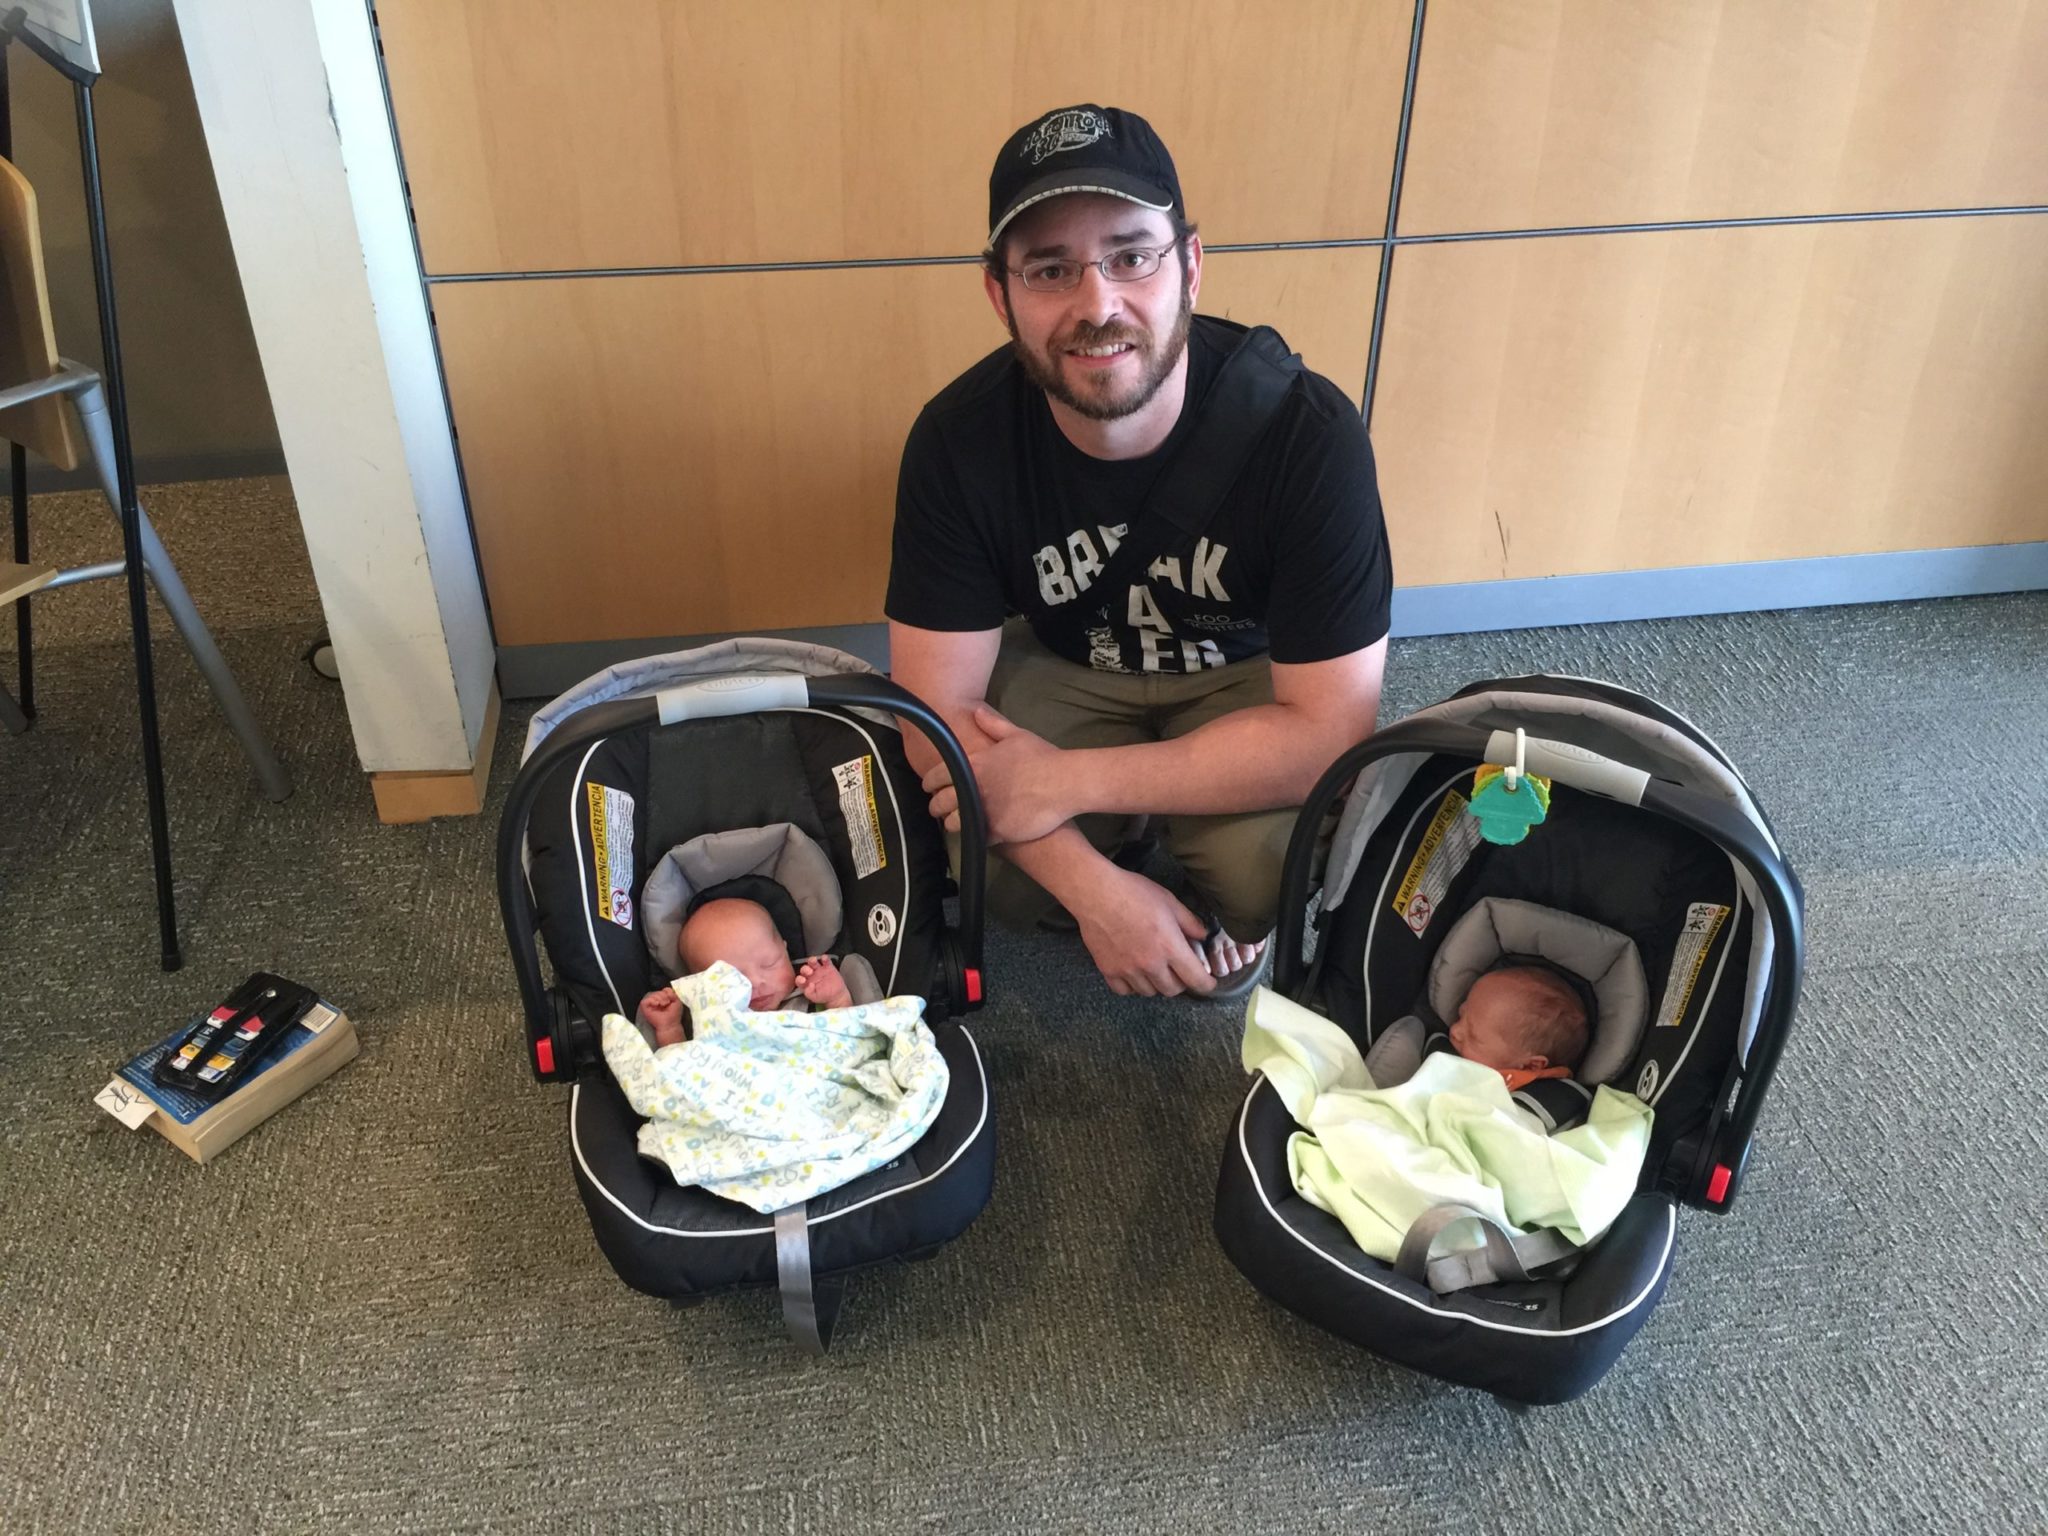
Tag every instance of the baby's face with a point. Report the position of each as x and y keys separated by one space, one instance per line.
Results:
x=764 y=960
x=743 y=935
x=1492 y=1027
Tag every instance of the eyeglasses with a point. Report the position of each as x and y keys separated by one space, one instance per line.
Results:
x=1057 y=274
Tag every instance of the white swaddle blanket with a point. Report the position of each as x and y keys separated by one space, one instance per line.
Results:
x=1377 y=1158
x=772 y=1108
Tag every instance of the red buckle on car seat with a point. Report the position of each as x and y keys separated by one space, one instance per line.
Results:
x=1718 y=1182
x=544 y=1057
x=973 y=984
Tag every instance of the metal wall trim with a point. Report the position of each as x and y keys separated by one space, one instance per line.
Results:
x=1379 y=301
x=1367 y=242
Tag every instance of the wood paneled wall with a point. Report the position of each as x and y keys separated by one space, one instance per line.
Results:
x=672 y=454
x=657 y=451
x=1699 y=397
x=1692 y=396
x=1547 y=113
x=708 y=132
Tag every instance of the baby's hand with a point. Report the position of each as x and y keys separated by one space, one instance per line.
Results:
x=819 y=980
x=664 y=1011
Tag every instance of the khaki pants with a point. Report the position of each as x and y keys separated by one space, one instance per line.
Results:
x=1233 y=862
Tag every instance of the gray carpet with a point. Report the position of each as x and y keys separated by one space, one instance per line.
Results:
x=385 y=1311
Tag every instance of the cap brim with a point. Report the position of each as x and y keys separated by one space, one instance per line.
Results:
x=1132 y=189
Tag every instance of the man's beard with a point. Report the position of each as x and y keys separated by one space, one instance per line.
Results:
x=1155 y=363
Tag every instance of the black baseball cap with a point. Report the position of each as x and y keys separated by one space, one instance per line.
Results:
x=1081 y=149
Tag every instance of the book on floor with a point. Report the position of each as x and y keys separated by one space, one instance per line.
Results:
x=200 y=1122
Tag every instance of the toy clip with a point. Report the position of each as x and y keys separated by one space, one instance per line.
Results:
x=1508 y=801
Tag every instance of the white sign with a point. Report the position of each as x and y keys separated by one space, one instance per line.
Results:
x=125 y=1102
x=66 y=25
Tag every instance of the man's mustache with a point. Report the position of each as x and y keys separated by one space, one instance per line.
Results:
x=1087 y=334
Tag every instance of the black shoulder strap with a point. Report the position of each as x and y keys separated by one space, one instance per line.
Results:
x=1240 y=405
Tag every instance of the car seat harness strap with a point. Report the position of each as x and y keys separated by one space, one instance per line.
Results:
x=1506 y=1256
x=810 y=1306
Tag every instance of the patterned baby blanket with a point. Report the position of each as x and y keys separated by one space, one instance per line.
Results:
x=772 y=1108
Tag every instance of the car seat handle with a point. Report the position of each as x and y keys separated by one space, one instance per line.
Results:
x=740 y=694
x=1567 y=764
x=866 y=691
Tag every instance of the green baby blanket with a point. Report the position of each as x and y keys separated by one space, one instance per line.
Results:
x=1377 y=1158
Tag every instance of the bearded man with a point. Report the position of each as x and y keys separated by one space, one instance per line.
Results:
x=1107 y=705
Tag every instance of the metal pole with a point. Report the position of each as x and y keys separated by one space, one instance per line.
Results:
x=131 y=527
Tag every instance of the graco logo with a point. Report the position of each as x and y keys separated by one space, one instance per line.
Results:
x=881 y=924
x=1647 y=1083
x=1074 y=128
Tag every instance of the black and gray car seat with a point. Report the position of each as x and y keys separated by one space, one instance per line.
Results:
x=1655 y=856
x=774 y=770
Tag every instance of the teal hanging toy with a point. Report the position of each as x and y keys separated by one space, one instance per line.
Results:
x=1507 y=802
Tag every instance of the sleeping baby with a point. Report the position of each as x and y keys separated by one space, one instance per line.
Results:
x=755 y=1099
x=742 y=934
x=1413 y=1126
x=1523 y=1021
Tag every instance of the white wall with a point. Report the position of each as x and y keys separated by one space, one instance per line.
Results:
x=293 y=108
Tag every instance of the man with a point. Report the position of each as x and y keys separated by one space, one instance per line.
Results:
x=1212 y=691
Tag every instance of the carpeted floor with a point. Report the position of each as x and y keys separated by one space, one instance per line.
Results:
x=384 y=1311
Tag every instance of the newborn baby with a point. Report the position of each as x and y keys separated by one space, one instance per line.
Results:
x=1523 y=1021
x=742 y=934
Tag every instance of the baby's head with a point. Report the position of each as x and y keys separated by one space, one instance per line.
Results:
x=743 y=935
x=1521 y=1018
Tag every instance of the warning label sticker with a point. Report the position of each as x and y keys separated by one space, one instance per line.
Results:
x=611 y=852
x=1445 y=850
x=856 y=781
x=1703 y=920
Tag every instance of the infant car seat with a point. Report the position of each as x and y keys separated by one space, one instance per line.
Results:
x=1653 y=838
x=775 y=770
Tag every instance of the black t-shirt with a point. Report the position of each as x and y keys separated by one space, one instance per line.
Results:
x=998 y=513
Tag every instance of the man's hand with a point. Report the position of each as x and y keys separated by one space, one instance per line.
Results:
x=819 y=980
x=1145 y=943
x=1018 y=774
